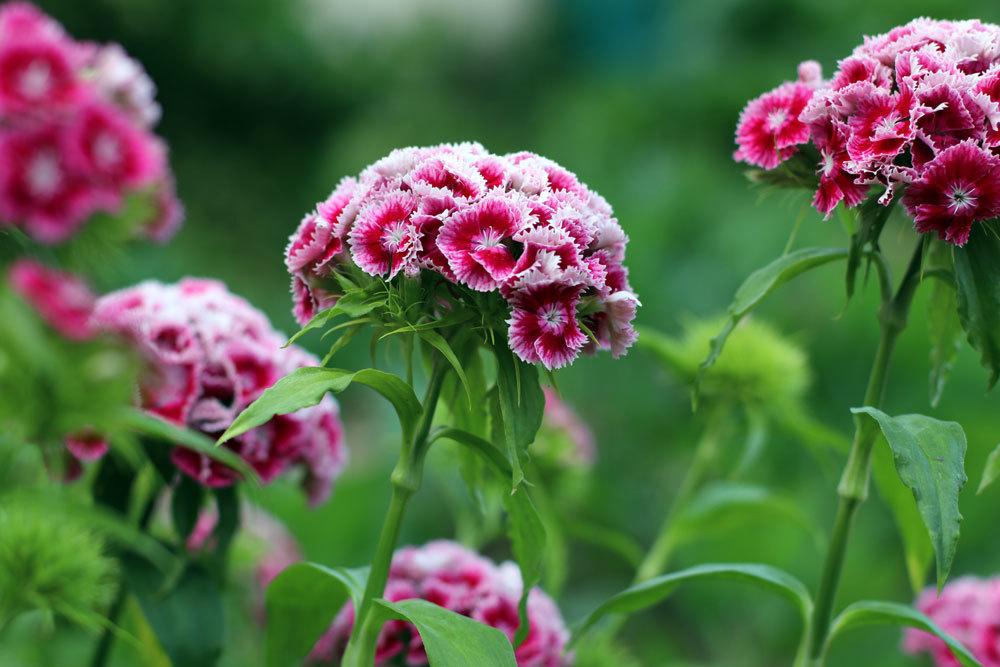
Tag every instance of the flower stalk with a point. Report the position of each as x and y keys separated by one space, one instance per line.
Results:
x=853 y=488
x=405 y=480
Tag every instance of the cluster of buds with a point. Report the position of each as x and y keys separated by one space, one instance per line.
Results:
x=75 y=132
x=916 y=109
x=518 y=225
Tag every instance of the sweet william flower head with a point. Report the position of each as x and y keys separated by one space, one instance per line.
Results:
x=449 y=575
x=75 y=132
x=210 y=354
x=969 y=610
x=916 y=110
x=516 y=240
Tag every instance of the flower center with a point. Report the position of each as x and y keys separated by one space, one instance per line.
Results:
x=552 y=317
x=36 y=80
x=828 y=163
x=961 y=198
x=394 y=236
x=107 y=150
x=43 y=174
x=777 y=118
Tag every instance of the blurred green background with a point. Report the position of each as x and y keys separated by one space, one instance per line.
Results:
x=268 y=103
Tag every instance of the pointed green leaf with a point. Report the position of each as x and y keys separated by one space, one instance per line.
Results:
x=450 y=639
x=437 y=341
x=918 y=552
x=872 y=217
x=930 y=459
x=654 y=591
x=306 y=387
x=301 y=603
x=762 y=282
x=871 y=612
x=521 y=403
x=977 y=278
x=991 y=470
x=943 y=324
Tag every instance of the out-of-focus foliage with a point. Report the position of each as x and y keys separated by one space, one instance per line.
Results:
x=267 y=103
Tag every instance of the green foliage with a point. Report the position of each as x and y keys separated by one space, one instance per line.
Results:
x=521 y=405
x=53 y=564
x=977 y=277
x=943 y=324
x=930 y=458
x=870 y=612
x=761 y=283
x=301 y=603
x=450 y=639
x=306 y=387
x=872 y=217
x=654 y=591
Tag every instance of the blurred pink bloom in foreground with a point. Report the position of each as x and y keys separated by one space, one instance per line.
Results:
x=62 y=299
x=969 y=610
x=210 y=354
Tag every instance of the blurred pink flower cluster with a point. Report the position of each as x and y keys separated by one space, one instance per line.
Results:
x=211 y=354
x=913 y=109
x=517 y=224
x=449 y=575
x=561 y=421
x=969 y=610
x=60 y=298
x=75 y=131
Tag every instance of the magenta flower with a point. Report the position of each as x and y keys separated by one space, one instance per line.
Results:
x=449 y=575
x=210 y=354
x=62 y=299
x=519 y=228
x=969 y=610
x=893 y=116
x=769 y=129
x=958 y=187
x=75 y=137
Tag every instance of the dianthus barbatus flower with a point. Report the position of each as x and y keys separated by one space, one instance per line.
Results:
x=75 y=135
x=451 y=576
x=969 y=610
x=210 y=355
x=917 y=108
x=518 y=226
x=62 y=299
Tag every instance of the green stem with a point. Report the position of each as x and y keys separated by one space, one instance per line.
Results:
x=405 y=479
x=659 y=554
x=853 y=488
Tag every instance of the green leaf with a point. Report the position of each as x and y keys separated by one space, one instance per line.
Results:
x=227 y=502
x=917 y=548
x=354 y=303
x=872 y=217
x=991 y=470
x=524 y=525
x=188 y=618
x=977 y=278
x=654 y=591
x=450 y=639
x=521 y=403
x=870 y=612
x=301 y=603
x=185 y=505
x=163 y=432
x=943 y=324
x=762 y=282
x=929 y=455
x=306 y=387
x=437 y=341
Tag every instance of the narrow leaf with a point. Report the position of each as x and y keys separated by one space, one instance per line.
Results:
x=872 y=217
x=762 y=282
x=301 y=603
x=306 y=387
x=943 y=324
x=991 y=471
x=930 y=459
x=450 y=639
x=521 y=405
x=656 y=590
x=870 y=612
x=437 y=341
x=977 y=278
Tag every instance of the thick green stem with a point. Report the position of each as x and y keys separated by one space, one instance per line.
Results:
x=659 y=554
x=853 y=488
x=405 y=479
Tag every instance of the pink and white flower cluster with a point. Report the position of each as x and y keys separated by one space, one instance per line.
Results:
x=519 y=225
x=449 y=575
x=915 y=109
x=969 y=610
x=61 y=299
x=75 y=131
x=210 y=355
